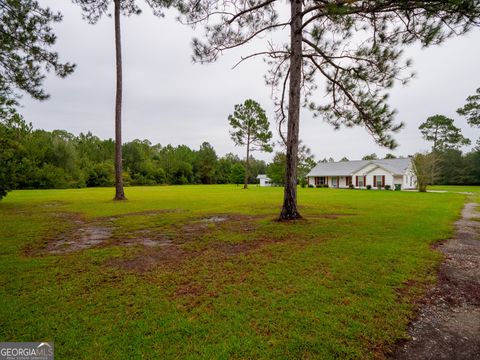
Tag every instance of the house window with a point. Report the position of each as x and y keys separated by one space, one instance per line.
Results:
x=379 y=181
x=360 y=181
x=348 y=180
x=335 y=181
x=320 y=180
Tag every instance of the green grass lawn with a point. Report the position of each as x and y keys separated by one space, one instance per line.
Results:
x=226 y=281
x=455 y=188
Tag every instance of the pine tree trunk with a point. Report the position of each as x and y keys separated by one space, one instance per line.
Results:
x=289 y=210
x=119 y=192
x=247 y=162
x=434 y=157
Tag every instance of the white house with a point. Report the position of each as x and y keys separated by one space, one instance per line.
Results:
x=264 y=180
x=360 y=173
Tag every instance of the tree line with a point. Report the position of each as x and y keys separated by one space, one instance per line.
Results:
x=39 y=159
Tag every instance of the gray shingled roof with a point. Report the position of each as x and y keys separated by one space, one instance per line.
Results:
x=347 y=168
x=263 y=176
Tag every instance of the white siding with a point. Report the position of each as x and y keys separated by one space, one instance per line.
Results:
x=370 y=171
x=407 y=180
x=398 y=179
x=265 y=182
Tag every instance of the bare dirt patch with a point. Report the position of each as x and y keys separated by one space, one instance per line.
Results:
x=83 y=234
x=448 y=320
x=175 y=249
x=167 y=249
x=80 y=235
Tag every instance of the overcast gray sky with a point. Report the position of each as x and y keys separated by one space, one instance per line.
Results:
x=170 y=100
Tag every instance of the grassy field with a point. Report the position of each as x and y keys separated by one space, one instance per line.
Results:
x=455 y=188
x=201 y=272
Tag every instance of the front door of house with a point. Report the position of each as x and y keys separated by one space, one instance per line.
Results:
x=335 y=181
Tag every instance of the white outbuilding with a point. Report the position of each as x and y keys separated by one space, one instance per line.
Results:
x=390 y=173
x=264 y=180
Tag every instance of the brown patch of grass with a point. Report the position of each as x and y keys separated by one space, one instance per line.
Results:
x=189 y=289
x=176 y=250
x=167 y=256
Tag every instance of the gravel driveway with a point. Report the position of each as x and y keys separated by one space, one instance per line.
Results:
x=448 y=322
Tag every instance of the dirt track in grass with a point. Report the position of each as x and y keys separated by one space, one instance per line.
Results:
x=447 y=325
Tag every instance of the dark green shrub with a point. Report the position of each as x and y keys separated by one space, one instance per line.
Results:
x=387 y=187
x=351 y=186
x=102 y=174
x=303 y=182
x=369 y=187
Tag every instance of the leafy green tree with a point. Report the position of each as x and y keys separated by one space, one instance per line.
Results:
x=451 y=167
x=344 y=159
x=324 y=45
x=101 y=174
x=13 y=131
x=237 y=174
x=138 y=160
x=250 y=128
x=50 y=161
x=276 y=169
x=177 y=163
x=26 y=39
x=256 y=167
x=91 y=149
x=423 y=167
x=93 y=10
x=372 y=156
x=440 y=130
x=224 y=168
x=182 y=173
x=390 y=156
x=205 y=164
x=472 y=168
x=306 y=161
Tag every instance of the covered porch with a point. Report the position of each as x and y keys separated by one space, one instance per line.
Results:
x=340 y=181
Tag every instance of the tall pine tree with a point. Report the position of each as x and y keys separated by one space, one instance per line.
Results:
x=93 y=10
x=250 y=128
x=352 y=47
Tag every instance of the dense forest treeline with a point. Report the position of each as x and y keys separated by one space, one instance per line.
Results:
x=457 y=168
x=58 y=159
